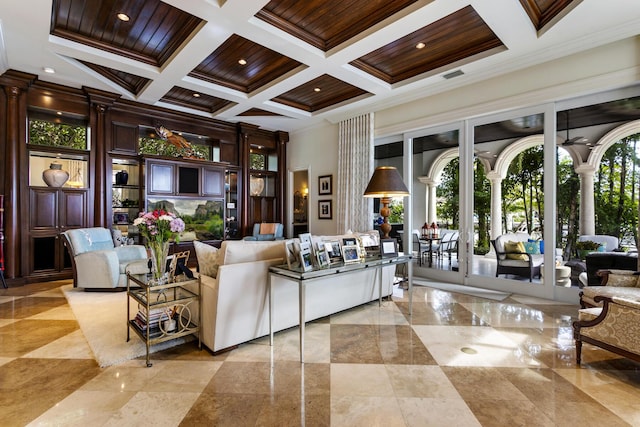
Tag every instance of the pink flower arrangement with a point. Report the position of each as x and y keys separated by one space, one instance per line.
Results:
x=159 y=226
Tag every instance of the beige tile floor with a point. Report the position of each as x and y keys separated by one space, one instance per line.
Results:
x=458 y=361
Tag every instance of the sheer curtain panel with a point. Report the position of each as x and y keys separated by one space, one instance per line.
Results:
x=355 y=166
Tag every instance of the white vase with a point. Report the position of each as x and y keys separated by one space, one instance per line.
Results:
x=55 y=176
x=256 y=185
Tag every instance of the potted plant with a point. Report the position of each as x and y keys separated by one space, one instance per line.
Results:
x=585 y=247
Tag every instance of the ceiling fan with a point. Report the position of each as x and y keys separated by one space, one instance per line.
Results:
x=576 y=140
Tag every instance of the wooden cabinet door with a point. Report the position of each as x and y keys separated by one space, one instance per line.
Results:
x=73 y=209
x=161 y=178
x=43 y=210
x=212 y=182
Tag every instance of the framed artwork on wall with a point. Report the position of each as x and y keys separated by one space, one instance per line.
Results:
x=324 y=209
x=325 y=186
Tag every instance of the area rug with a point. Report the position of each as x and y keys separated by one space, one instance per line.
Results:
x=102 y=318
x=461 y=289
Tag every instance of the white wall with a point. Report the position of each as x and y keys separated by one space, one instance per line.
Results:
x=317 y=150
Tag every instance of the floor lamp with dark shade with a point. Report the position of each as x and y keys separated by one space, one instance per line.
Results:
x=385 y=184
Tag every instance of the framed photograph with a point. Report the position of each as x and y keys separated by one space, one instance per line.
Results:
x=323 y=258
x=325 y=186
x=306 y=238
x=306 y=262
x=324 y=209
x=388 y=248
x=349 y=241
x=351 y=253
x=333 y=250
x=121 y=218
x=292 y=249
x=178 y=260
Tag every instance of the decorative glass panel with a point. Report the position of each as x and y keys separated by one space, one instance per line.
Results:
x=48 y=133
x=257 y=161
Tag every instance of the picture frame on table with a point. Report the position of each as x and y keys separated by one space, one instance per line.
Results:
x=325 y=185
x=325 y=210
x=349 y=241
x=178 y=264
x=388 y=248
x=350 y=254
x=305 y=256
x=305 y=237
x=121 y=218
x=334 y=251
x=323 y=258
x=292 y=250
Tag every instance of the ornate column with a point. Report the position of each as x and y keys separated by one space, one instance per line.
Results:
x=496 y=204
x=587 y=201
x=282 y=138
x=431 y=214
x=496 y=209
x=15 y=85
x=100 y=102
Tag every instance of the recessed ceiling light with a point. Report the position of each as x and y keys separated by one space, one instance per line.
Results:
x=242 y=61
x=420 y=45
x=49 y=70
x=196 y=95
x=316 y=89
x=123 y=17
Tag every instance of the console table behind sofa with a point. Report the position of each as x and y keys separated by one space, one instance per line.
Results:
x=235 y=303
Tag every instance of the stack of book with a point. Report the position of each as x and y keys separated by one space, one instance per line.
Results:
x=150 y=322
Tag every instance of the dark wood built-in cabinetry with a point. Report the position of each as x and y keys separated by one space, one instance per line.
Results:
x=36 y=214
x=53 y=210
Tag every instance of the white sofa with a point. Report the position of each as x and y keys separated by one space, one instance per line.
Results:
x=235 y=302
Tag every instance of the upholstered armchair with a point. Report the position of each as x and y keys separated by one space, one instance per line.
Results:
x=267 y=231
x=98 y=263
x=510 y=260
x=613 y=325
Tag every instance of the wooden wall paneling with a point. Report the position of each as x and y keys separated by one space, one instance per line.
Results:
x=124 y=138
x=51 y=97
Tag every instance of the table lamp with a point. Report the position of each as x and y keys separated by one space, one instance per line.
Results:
x=386 y=183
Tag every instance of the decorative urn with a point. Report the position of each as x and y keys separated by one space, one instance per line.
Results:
x=55 y=176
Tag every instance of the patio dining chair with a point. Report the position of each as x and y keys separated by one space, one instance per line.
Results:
x=448 y=245
x=419 y=247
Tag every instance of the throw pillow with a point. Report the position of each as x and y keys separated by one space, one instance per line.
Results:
x=515 y=250
x=207 y=256
x=623 y=280
x=532 y=248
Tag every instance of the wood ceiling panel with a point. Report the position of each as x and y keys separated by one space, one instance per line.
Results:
x=450 y=39
x=257 y=112
x=185 y=98
x=153 y=33
x=332 y=91
x=326 y=24
x=544 y=12
x=263 y=65
x=130 y=82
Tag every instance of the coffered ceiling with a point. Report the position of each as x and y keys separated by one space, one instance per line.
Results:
x=287 y=64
